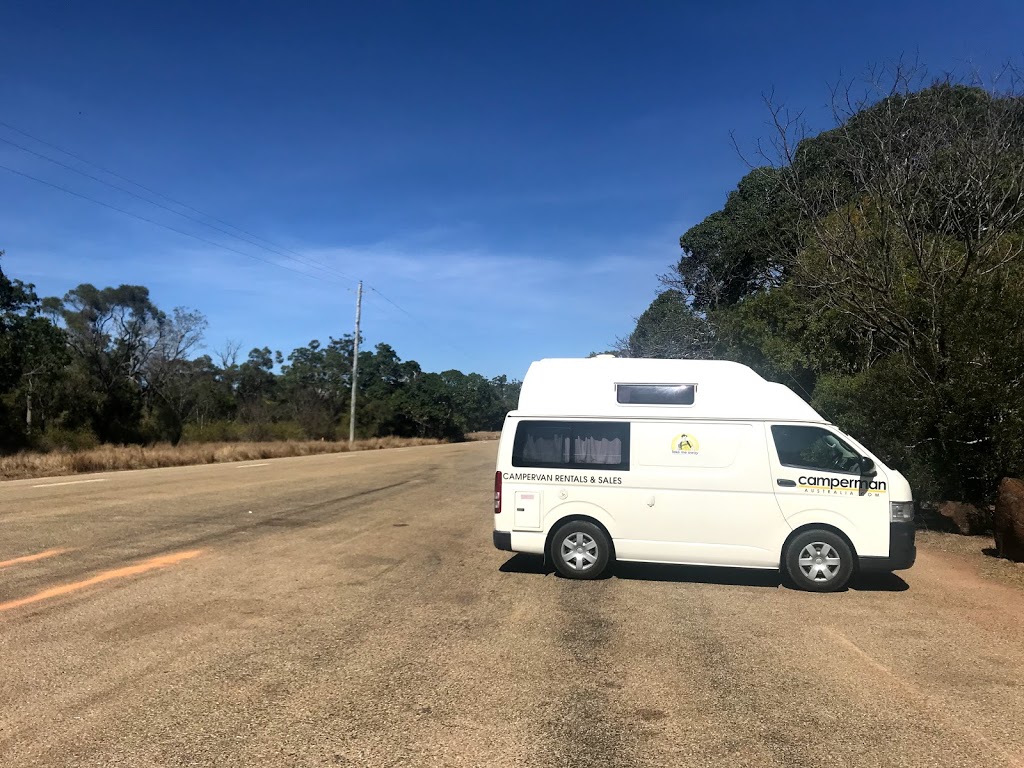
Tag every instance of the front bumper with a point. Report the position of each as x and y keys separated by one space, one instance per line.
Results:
x=902 y=551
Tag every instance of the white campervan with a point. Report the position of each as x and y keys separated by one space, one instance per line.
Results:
x=694 y=462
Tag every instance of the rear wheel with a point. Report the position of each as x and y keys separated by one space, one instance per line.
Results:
x=580 y=550
x=818 y=560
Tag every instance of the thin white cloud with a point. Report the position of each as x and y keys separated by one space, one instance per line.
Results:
x=469 y=308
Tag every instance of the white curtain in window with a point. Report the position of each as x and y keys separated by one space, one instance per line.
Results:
x=598 y=450
x=554 y=449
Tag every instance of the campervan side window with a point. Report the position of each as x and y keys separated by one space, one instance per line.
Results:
x=572 y=445
x=814 y=448
x=655 y=394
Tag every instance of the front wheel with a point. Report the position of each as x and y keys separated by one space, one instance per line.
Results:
x=818 y=561
x=580 y=550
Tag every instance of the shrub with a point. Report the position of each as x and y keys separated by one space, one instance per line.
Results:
x=63 y=439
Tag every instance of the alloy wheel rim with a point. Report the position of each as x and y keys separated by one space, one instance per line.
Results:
x=579 y=551
x=819 y=561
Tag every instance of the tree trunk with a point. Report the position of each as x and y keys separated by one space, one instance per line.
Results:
x=28 y=409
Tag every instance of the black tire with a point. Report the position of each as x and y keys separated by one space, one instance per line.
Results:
x=810 y=561
x=589 y=556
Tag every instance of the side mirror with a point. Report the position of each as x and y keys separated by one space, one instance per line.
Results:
x=867 y=467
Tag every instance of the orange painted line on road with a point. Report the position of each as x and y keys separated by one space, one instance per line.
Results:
x=32 y=558
x=118 y=573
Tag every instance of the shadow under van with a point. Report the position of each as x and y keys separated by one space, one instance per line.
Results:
x=695 y=574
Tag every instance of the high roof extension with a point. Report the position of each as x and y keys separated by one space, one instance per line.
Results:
x=574 y=387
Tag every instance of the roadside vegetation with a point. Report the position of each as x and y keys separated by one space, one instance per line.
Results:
x=484 y=435
x=876 y=268
x=108 y=458
x=102 y=367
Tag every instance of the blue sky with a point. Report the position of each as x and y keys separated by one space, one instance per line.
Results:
x=514 y=176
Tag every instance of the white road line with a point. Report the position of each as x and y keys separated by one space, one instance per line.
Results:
x=71 y=482
x=245 y=466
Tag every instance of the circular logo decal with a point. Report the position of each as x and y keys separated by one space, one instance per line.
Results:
x=686 y=444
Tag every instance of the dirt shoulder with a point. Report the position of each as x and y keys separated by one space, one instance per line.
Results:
x=974 y=553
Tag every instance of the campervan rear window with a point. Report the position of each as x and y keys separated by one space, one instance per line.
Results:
x=655 y=394
x=572 y=445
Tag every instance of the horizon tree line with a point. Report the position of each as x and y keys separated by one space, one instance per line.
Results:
x=106 y=365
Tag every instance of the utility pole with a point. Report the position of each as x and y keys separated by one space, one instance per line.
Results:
x=355 y=367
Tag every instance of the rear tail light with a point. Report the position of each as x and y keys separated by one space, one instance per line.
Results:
x=497 y=493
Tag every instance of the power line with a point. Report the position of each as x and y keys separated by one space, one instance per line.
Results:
x=440 y=337
x=156 y=223
x=81 y=159
x=297 y=257
x=274 y=247
x=202 y=239
x=389 y=301
x=168 y=198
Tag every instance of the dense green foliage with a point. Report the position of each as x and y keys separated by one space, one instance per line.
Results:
x=107 y=365
x=877 y=270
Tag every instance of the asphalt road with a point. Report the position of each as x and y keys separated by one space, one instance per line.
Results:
x=349 y=610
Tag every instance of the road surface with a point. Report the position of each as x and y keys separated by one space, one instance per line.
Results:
x=349 y=610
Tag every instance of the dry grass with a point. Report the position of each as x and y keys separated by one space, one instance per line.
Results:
x=107 y=458
x=472 y=436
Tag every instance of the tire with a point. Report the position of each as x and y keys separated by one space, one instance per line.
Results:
x=580 y=550
x=818 y=561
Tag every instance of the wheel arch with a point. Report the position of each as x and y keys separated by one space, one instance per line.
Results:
x=818 y=527
x=573 y=517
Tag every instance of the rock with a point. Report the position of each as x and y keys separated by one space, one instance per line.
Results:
x=1009 y=519
x=966 y=518
x=928 y=518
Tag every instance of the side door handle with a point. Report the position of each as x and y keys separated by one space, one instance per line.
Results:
x=786 y=483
